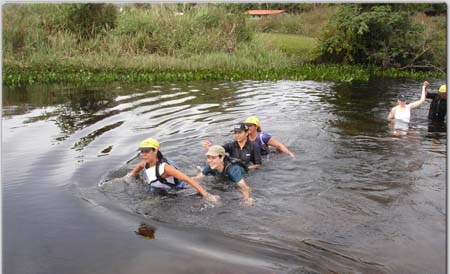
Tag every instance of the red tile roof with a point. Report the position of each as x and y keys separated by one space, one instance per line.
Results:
x=264 y=12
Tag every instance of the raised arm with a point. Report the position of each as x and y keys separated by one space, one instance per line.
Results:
x=206 y=144
x=280 y=147
x=422 y=97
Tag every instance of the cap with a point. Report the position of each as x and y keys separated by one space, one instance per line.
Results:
x=240 y=127
x=401 y=97
x=252 y=120
x=216 y=150
x=148 y=143
x=443 y=89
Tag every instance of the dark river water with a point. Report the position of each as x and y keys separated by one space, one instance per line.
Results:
x=361 y=197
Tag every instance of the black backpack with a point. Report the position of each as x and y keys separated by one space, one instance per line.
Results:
x=234 y=161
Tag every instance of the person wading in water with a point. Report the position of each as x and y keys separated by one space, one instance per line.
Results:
x=160 y=175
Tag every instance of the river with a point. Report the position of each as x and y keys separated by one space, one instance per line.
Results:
x=359 y=198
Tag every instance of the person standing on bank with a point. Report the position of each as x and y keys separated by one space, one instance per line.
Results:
x=219 y=165
x=264 y=140
x=160 y=175
x=402 y=111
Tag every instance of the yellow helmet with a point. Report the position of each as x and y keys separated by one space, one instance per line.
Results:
x=149 y=143
x=443 y=89
x=252 y=120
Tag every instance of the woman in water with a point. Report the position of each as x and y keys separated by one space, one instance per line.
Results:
x=264 y=140
x=160 y=175
x=220 y=165
x=402 y=111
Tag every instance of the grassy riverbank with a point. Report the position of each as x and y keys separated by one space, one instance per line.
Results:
x=155 y=44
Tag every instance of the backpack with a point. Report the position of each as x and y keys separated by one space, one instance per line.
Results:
x=264 y=146
x=234 y=161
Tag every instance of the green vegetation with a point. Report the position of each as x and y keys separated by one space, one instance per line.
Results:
x=89 y=20
x=295 y=46
x=153 y=42
x=381 y=35
x=337 y=73
x=309 y=23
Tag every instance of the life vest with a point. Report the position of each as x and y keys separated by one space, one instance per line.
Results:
x=170 y=182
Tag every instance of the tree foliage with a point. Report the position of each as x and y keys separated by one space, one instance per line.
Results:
x=372 y=35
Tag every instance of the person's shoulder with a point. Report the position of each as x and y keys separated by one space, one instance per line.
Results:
x=431 y=94
x=228 y=144
x=235 y=172
x=162 y=166
x=206 y=170
x=265 y=136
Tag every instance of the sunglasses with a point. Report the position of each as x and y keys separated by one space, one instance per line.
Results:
x=147 y=150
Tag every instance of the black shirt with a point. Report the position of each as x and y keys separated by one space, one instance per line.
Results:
x=249 y=153
x=438 y=107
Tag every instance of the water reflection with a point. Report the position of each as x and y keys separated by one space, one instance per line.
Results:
x=357 y=106
x=73 y=109
x=147 y=231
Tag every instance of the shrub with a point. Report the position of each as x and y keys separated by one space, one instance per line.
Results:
x=375 y=36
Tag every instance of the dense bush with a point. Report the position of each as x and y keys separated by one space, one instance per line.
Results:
x=376 y=36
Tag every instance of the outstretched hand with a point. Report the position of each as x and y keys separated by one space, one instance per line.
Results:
x=249 y=201
x=292 y=155
x=129 y=178
x=206 y=144
x=212 y=198
x=426 y=84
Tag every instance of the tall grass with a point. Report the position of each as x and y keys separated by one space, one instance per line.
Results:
x=308 y=23
x=298 y=47
x=139 y=31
